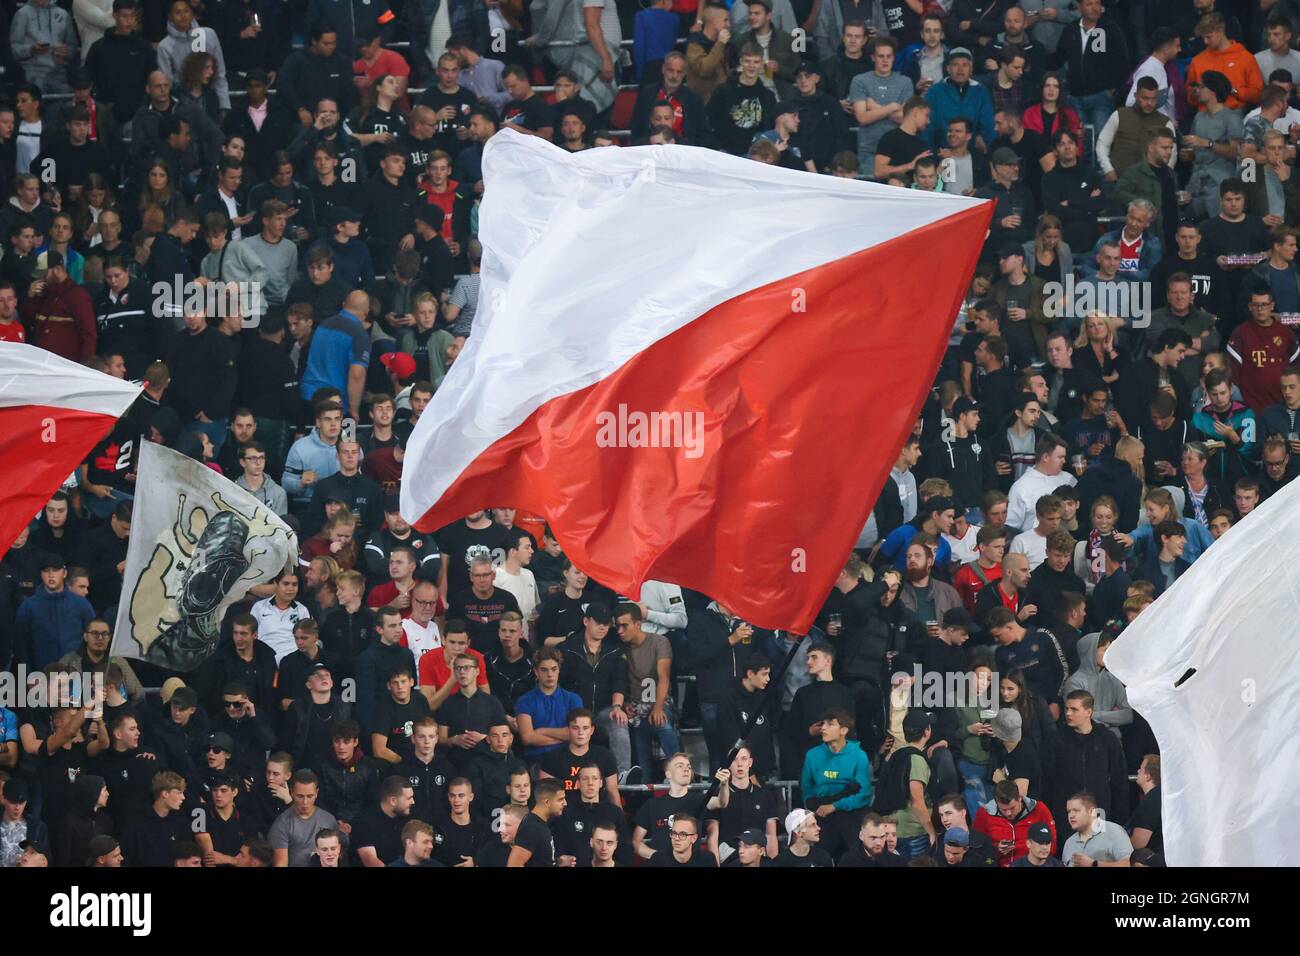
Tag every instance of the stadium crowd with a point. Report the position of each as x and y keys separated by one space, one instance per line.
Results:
x=471 y=698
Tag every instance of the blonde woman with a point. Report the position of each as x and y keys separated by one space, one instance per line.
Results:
x=1096 y=351
x=1159 y=506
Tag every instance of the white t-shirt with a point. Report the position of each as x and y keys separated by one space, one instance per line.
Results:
x=523 y=586
x=1032 y=545
x=420 y=639
x=275 y=626
x=963 y=549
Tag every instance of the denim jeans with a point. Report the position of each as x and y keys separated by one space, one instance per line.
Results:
x=620 y=743
x=909 y=848
x=1093 y=109
x=973 y=786
x=642 y=734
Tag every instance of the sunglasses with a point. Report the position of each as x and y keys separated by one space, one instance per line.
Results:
x=216 y=750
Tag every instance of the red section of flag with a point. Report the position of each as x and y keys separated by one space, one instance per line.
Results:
x=41 y=446
x=803 y=415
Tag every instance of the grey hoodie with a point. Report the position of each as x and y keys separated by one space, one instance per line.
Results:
x=40 y=21
x=1110 y=700
x=176 y=46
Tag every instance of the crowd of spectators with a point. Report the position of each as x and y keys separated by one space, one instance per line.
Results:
x=472 y=698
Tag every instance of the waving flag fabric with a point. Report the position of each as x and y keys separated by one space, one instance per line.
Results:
x=1214 y=667
x=699 y=368
x=52 y=412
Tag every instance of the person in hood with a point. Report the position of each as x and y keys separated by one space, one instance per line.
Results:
x=1110 y=701
x=1227 y=57
x=44 y=42
x=86 y=819
x=184 y=38
x=836 y=781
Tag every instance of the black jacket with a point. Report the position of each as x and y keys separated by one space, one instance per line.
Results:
x=693 y=120
x=1149 y=570
x=595 y=685
x=715 y=661
x=347 y=790
x=253 y=737
x=129 y=327
x=967 y=464
x=306 y=78
x=204 y=374
x=120 y=68
x=297 y=725
x=268 y=384
x=734 y=714
x=362 y=496
x=258 y=677
x=1100 y=67
x=82 y=823
x=1067 y=195
x=1094 y=763
x=1112 y=476
x=102 y=550
x=387 y=211
x=279 y=129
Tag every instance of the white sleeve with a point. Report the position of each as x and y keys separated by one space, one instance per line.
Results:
x=1104 y=139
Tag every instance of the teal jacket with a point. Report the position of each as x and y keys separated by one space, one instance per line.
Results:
x=825 y=772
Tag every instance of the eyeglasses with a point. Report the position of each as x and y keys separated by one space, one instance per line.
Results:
x=426 y=603
x=254 y=458
x=680 y=834
x=466 y=667
x=98 y=633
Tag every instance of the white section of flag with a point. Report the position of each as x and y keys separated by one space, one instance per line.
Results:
x=34 y=376
x=590 y=258
x=1229 y=747
x=170 y=563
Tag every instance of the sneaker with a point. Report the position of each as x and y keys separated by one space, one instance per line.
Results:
x=630 y=777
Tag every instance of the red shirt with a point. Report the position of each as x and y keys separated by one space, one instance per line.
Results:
x=435 y=671
x=12 y=332
x=1258 y=354
x=388 y=61
x=382 y=595
x=445 y=200
x=968 y=583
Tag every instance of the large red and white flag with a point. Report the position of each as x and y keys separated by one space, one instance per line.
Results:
x=699 y=368
x=52 y=412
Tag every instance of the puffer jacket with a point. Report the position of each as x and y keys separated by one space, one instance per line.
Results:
x=998 y=828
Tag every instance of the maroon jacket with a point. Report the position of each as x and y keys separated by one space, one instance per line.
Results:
x=62 y=320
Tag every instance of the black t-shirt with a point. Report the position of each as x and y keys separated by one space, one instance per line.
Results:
x=817 y=857
x=453 y=841
x=1024 y=762
x=560 y=615
x=460 y=543
x=482 y=615
x=656 y=816
x=444 y=137
x=748 y=809
x=535 y=836
x=376 y=829
x=377 y=121
x=900 y=147
x=700 y=857
x=1031 y=148
x=1147 y=817
x=398 y=722
x=228 y=835
x=563 y=764
x=903 y=22
x=533 y=113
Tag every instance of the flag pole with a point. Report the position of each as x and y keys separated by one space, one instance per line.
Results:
x=772 y=692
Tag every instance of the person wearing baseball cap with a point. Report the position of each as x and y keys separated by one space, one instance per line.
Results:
x=955 y=95
x=822 y=117
x=964 y=461
x=935 y=517
x=1016 y=211
x=17 y=829
x=803 y=839
x=1013 y=754
x=749 y=851
x=50 y=623
x=785 y=124
x=1038 y=848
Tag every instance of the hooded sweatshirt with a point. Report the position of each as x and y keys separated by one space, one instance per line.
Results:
x=176 y=46
x=1238 y=65
x=1110 y=701
x=50 y=624
x=41 y=21
x=82 y=823
x=826 y=772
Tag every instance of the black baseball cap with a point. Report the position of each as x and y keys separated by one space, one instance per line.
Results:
x=957 y=617
x=964 y=405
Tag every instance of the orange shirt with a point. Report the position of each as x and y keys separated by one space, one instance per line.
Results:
x=435 y=671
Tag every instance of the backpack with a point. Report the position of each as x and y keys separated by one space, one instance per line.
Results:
x=893 y=788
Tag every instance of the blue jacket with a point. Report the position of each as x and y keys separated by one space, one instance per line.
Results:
x=946 y=103
x=1144 y=550
x=825 y=772
x=50 y=625
x=1231 y=463
x=1153 y=250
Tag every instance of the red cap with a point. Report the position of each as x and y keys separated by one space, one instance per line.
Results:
x=399 y=363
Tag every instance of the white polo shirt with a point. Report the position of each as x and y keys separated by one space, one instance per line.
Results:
x=275 y=626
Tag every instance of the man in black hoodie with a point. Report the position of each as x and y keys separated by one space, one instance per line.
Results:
x=962 y=459
x=84 y=821
x=745 y=699
x=1071 y=192
x=120 y=62
x=718 y=642
x=744 y=107
x=801 y=727
x=1097 y=63
x=824 y=127
x=1054 y=578
x=387 y=206
x=127 y=769
x=1089 y=759
x=319 y=72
